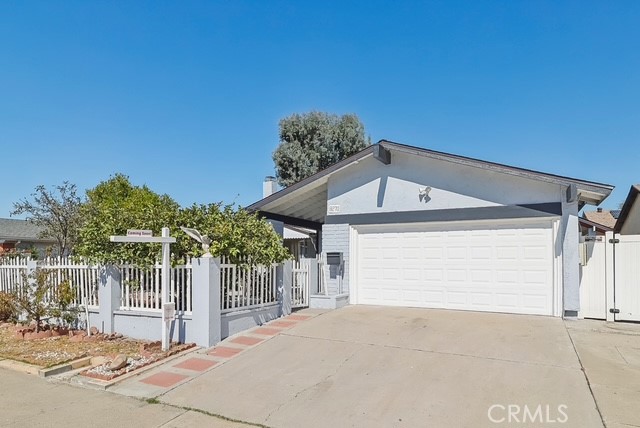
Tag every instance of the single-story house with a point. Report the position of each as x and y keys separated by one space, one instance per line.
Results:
x=600 y=216
x=628 y=222
x=590 y=230
x=406 y=226
x=22 y=235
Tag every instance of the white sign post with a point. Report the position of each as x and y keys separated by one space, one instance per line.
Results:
x=168 y=308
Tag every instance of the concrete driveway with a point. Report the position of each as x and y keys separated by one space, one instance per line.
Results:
x=365 y=366
x=610 y=355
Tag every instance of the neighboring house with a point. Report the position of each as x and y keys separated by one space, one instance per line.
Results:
x=628 y=222
x=602 y=217
x=22 y=235
x=405 y=226
x=590 y=230
x=300 y=241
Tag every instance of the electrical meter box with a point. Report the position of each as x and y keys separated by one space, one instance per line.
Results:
x=334 y=259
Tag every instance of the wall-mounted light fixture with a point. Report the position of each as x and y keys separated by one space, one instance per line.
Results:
x=423 y=194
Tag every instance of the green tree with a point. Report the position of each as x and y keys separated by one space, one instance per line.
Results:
x=235 y=233
x=56 y=211
x=313 y=141
x=114 y=206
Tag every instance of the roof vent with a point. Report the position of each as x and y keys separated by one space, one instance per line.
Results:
x=599 y=209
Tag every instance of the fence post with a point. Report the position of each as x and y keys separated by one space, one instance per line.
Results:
x=609 y=275
x=206 y=301
x=109 y=297
x=313 y=275
x=285 y=278
x=32 y=265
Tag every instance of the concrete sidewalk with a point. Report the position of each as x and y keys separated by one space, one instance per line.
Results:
x=29 y=401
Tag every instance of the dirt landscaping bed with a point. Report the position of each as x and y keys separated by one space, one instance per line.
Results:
x=54 y=348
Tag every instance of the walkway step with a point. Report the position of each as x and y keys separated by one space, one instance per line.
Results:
x=266 y=331
x=196 y=364
x=282 y=323
x=164 y=379
x=246 y=340
x=224 y=352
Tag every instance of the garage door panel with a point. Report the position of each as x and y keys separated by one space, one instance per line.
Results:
x=508 y=301
x=457 y=298
x=482 y=299
x=481 y=276
x=480 y=253
x=411 y=274
x=535 y=277
x=506 y=269
x=535 y=253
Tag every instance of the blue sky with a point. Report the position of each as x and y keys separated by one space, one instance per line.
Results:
x=186 y=96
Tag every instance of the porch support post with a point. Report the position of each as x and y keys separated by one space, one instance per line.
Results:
x=570 y=259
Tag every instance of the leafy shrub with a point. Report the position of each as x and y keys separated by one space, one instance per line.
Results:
x=40 y=299
x=8 y=309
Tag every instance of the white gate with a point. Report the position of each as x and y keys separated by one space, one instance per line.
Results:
x=300 y=284
x=593 y=280
x=627 y=278
x=610 y=278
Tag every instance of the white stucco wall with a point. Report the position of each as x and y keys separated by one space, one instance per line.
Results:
x=569 y=235
x=371 y=186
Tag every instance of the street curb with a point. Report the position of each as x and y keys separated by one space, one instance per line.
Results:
x=19 y=366
x=65 y=367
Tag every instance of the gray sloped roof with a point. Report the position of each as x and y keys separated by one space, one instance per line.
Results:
x=22 y=230
x=307 y=199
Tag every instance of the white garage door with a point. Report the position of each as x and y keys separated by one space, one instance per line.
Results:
x=483 y=266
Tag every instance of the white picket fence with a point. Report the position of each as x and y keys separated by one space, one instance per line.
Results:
x=83 y=276
x=141 y=288
x=242 y=286
x=246 y=287
x=300 y=283
x=12 y=272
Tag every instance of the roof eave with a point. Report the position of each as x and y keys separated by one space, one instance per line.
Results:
x=626 y=207
x=259 y=205
x=583 y=186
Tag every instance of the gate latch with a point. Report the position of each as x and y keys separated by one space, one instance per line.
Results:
x=614 y=311
x=614 y=241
